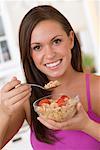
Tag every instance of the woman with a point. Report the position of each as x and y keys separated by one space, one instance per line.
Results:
x=50 y=51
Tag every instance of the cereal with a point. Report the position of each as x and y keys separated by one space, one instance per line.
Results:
x=60 y=109
x=52 y=84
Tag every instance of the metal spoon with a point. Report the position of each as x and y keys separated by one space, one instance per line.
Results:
x=39 y=86
x=48 y=88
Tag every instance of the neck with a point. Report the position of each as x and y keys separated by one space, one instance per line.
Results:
x=67 y=77
x=68 y=81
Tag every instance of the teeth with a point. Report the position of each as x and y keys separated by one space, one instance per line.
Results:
x=53 y=64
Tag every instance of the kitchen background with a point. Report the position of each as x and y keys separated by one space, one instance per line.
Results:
x=84 y=15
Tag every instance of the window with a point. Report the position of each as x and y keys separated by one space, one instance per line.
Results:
x=4 y=49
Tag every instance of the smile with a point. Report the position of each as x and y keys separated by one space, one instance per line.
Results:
x=54 y=64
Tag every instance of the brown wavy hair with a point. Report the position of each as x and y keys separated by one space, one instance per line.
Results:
x=33 y=75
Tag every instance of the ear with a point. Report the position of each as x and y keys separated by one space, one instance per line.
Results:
x=71 y=39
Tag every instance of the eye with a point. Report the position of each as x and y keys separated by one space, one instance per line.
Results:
x=57 y=41
x=36 y=48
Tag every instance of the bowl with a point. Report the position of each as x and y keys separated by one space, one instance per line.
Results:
x=58 y=107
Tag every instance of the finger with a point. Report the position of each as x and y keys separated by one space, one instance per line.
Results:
x=60 y=125
x=17 y=98
x=80 y=108
x=14 y=78
x=10 y=85
x=44 y=122
x=66 y=125
x=20 y=103
x=19 y=89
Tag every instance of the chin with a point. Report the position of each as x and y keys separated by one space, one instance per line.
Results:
x=55 y=75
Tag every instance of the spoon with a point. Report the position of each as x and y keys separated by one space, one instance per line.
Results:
x=48 y=86
x=39 y=86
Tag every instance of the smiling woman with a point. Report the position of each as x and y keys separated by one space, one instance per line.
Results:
x=50 y=51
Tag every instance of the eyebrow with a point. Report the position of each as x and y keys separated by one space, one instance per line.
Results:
x=55 y=37
x=51 y=39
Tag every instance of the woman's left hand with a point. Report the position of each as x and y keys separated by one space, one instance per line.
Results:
x=78 y=122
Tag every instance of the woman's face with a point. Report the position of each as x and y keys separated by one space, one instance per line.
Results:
x=51 y=48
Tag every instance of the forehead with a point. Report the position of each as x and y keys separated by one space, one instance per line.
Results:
x=48 y=24
x=47 y=28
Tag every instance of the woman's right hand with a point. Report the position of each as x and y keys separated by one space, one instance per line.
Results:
x=12 y=96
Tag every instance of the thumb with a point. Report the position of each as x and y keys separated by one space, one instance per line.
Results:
x=79 y=107
x=14 y=78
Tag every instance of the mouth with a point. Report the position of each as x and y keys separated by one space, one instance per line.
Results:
x=53 y=64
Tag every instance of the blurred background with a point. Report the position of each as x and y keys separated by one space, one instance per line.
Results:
x=84 y=16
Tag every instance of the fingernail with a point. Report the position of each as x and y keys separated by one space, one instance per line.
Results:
x=14 y=78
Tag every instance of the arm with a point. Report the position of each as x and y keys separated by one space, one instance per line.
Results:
x=12 y=113
x=13 y=125
x=9 y=126
x=3 y=126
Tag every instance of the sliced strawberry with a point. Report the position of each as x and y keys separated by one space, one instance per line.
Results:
x=61 y=100
x=44 y=101
x=64 y=96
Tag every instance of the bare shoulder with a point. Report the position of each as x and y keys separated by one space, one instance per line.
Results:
x=95 y=84
x=95 y=78
x=95 y=92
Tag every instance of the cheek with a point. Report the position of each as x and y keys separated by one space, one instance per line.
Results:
x=66 y=50
x=36 y=58
x=67 y=55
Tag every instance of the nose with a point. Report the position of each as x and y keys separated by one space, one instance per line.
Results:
x=49 y=52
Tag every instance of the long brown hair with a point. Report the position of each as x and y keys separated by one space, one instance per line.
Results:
x=33 y=75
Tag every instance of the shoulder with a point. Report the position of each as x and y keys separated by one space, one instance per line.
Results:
x=95 y=83
x=95 y=77
x=95 y=92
